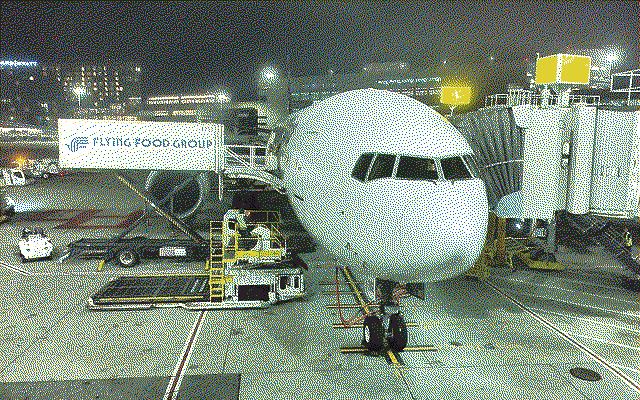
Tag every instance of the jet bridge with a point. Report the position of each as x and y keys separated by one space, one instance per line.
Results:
x=582 y=159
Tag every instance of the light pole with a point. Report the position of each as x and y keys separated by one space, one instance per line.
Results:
x=611 y=59
x=274 y=87
x=79 y=91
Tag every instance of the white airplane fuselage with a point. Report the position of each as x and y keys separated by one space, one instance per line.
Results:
x=393 y=227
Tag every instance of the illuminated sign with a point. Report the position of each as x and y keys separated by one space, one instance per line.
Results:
x=455 y=96
x=408 y=81
x=103 y=144
x=11 y=63
x=563 y=68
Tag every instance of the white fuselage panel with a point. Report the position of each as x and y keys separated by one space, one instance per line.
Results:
x=404 y=230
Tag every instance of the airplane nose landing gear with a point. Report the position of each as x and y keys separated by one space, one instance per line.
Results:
x=397 y=336
x=373 y=333
x=375 y=326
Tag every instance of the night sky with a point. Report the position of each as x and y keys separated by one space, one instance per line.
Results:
x=184 y=47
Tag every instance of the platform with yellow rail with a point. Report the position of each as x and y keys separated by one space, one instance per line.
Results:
x=503 y=251
x=246 y=268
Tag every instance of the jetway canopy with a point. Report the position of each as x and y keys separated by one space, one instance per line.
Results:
x=582 y=159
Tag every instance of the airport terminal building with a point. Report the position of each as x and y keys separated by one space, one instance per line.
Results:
x=399 y=77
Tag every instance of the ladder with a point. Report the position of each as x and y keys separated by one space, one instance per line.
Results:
x=216 y=265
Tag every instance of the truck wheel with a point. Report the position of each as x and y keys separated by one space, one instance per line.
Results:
x=373 y=333
x=398 y=335
x=127 y=258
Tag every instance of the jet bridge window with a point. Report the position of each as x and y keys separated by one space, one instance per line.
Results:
x=453 y=168
x=416 y=168
x=362 y=166
x=382 y=167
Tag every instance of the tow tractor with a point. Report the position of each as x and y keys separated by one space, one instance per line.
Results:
x=14 y=177
x=34 y=245
x=7 y=208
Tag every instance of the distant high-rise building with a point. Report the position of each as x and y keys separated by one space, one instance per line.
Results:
x=35 y=93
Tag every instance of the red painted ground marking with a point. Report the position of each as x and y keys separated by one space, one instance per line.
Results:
x=78 y=221
x=52 y=215
x=82 y=219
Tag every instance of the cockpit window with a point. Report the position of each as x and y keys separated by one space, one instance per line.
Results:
x=382 y=167
x=362 y=166
x=472 y=165
x=454 y=169
x=416 y=168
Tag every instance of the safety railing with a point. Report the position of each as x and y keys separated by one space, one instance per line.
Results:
x=247 y=156
x=525 y=98
x=268 y=243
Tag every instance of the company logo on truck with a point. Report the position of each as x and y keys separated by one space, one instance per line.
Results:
x=77 y=143
x=151 y=142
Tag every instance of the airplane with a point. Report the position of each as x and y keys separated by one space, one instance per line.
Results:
x=389 y=187
x=382 y=181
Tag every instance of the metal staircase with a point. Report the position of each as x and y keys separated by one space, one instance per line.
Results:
x=248 y=162
x=216 y=265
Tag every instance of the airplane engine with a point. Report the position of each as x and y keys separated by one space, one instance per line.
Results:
x=181 y=192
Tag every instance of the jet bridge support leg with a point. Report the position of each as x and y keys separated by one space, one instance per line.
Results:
x=551 y=246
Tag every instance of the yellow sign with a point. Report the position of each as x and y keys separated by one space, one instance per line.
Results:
x=575 y=69
x=455 y=96
x=563 y=68
x=546 y=70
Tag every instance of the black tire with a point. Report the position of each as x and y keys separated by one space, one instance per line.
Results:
x=398 y=335
x=373 y=333
x=127 y=258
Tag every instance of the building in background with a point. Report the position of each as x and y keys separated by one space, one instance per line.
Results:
x=396 y=77
x=243 y=118
x=38 y=94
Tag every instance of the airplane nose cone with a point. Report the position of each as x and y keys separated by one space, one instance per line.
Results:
x=457 y=230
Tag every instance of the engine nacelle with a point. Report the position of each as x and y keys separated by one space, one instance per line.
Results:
x=180 y=192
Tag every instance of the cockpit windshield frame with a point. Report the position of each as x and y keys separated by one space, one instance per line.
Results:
x=370 y=158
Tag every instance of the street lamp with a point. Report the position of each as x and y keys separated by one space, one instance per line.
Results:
x=223 y=97
x=269 y=77
x=79 y=91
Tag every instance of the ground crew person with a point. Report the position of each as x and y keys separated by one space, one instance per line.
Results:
x=628 y=239
x=241 y=219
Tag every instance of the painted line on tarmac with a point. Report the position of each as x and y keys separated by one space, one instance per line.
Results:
x=631 y=383
x=178 y=371
x=16 y=269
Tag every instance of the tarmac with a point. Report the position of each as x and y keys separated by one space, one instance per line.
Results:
x=516 y=335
